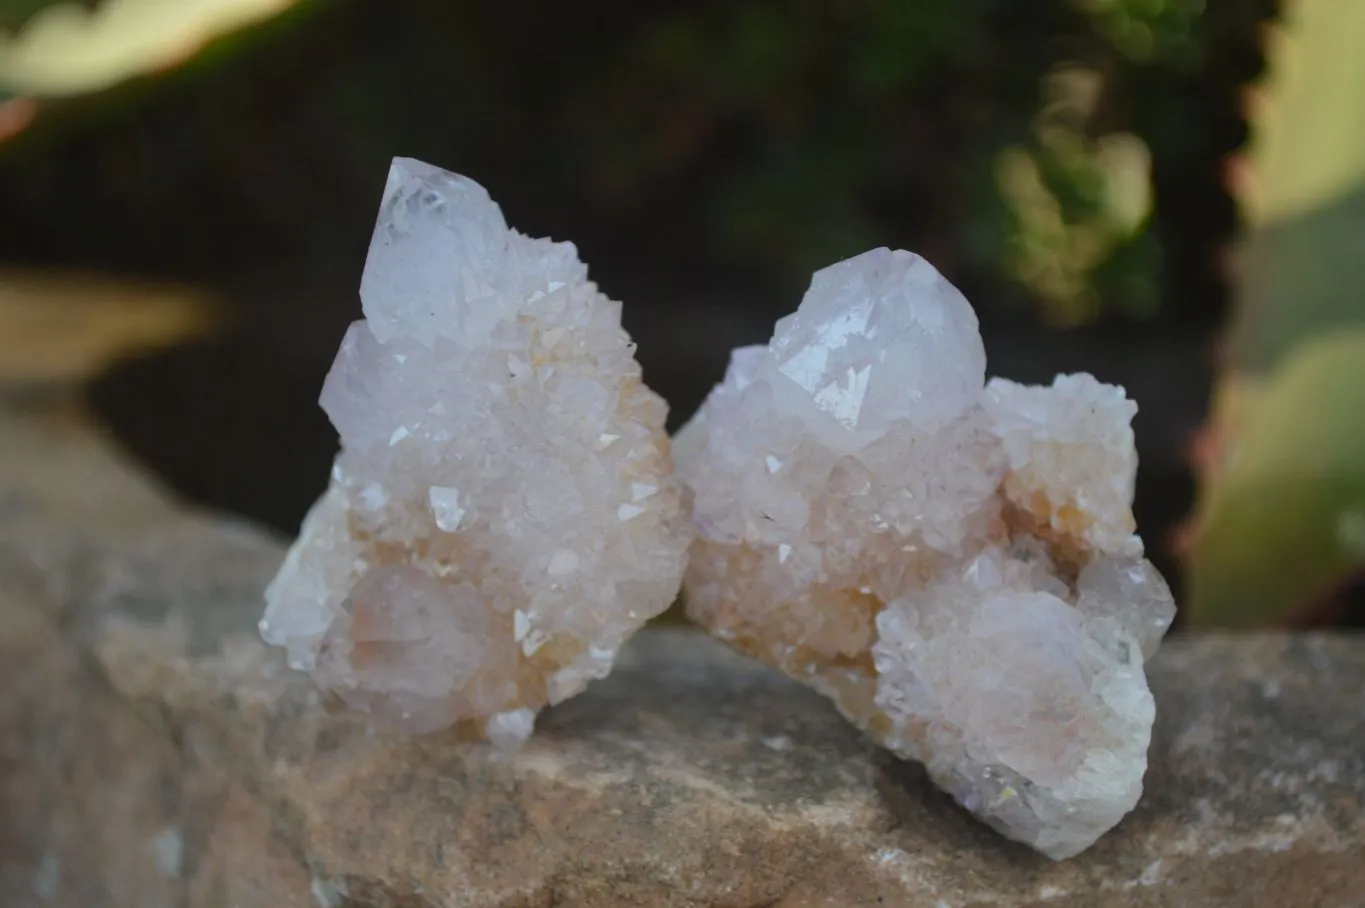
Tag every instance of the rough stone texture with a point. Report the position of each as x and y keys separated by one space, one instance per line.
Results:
x=153 y=752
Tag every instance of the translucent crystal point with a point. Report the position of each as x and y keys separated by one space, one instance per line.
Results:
x=952 y=562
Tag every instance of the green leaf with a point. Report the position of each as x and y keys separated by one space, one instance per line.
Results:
x=68 y=49
x=14 y=13
x=1282 y=520
x=1300 y=270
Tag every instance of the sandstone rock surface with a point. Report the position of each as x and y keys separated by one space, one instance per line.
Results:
x=153 y=752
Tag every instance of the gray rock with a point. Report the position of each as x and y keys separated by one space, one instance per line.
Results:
x=153 y=752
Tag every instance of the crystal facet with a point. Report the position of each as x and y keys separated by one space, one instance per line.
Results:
x=502 y=515
x=952 y=561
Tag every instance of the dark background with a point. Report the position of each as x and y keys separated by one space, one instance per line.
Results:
x=705 y=157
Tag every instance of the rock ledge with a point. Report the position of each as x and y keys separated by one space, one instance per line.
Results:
x=153 y=752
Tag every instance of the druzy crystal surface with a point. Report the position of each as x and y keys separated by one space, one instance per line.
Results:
x=952 y=561
x=502 y=515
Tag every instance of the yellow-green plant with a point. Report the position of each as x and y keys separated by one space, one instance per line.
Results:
x=73 y=48
x=1280 y=522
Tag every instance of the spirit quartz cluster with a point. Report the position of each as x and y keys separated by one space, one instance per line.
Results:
x=952 y=561
x=502 y=515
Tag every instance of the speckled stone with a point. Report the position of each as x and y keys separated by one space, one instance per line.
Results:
x=154 y=752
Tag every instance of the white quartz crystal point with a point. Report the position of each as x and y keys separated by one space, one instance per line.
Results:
x=438 y=258
x=953 y=562
x=502 y=515
x=879 y=337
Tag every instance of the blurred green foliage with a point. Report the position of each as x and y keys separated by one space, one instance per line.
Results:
x=1150 y=30
x=14 y=13
x=1078 y=208
x=810 y=100
x=1280 y=522
x=1012 y=141
x=1065 y=214
x=1303 y=190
